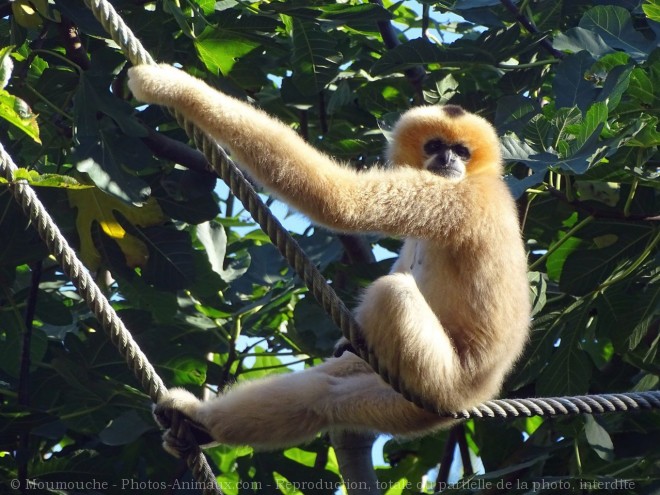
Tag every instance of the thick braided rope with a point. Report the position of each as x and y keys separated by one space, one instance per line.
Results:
x=99 y=305
x=326 y=296
x=76 y=271
x=555 y=406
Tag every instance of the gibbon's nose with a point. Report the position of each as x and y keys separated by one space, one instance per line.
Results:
x=446 y=156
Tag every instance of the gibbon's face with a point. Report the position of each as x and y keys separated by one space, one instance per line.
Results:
x=447 y=141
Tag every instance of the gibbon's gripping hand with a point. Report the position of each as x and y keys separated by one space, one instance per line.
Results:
x=187 y=404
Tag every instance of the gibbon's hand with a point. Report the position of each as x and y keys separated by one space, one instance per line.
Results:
x=188 y=405
x=159 y=84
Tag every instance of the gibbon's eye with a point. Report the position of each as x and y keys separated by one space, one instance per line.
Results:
x=434 y=147
x=461 y=151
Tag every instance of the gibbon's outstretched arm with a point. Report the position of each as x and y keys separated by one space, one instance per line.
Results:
x=411 y=203
x=447 y=323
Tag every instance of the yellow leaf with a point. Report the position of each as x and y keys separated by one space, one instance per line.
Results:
x=94 y=205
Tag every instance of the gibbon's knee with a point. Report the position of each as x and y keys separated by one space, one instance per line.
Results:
x=409 y=340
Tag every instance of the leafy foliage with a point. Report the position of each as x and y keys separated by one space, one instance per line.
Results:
x=576 y=101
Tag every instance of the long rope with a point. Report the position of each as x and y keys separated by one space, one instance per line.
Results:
x=138 y=362
x=324 y=293
x=555 y=406
x=104 y=312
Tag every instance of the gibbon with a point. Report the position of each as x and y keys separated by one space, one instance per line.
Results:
x=450 y=319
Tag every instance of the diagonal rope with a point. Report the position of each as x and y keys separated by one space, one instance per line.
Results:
x=104 y=312
x=324 y=293
x=241 y=188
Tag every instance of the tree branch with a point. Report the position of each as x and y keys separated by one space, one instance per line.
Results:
x=446 y=461
x=463 y=448
x=354 y=456
x=415 y=75
x=24 y=371
x=178 y=152
x=530 y=27
x=73 y=44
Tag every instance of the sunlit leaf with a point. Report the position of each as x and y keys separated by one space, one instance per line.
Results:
x=652 y=9
x=18 y=113
x=94 y=205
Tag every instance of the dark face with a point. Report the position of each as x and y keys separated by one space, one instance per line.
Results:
x=446 y=160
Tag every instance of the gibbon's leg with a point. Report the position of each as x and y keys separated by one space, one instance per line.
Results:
x=286 y=410
x=409 y=341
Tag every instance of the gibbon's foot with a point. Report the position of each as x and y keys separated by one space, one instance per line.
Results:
x=343 y=345
x=185 y=403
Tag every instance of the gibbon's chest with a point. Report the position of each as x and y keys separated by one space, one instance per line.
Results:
x=433 y=269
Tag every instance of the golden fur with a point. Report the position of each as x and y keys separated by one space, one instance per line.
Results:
x=449 y=320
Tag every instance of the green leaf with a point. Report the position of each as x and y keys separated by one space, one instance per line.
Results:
x=652 y=9
x=647 y=135
x=92 y=97
x=6 y=66
x=18 y=113
x=52 y=310
x=126 y=428
x=219 y=50
x=106 y=160
x=170 y=263
x=625 y=314
x=315 y=59
x=570 y=369
x=214 y=239
x=181 y=19
x=314 y=331
x=577 y=39
x=49 y=180
x=598 y=439
x=592 y=124
x=615 y=85
x=12 y=343
x=544 y=334
x=514 y=113
x=570 y=86
x=586 y=268
x=641 y=87
x=409 y=54
x=615 y=27
x=20 y=241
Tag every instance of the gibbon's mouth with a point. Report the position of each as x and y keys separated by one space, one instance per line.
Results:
x=453 y=170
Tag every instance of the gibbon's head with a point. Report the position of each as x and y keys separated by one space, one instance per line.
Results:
x=445 y=140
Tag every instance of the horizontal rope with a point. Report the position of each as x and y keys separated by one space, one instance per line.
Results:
x=556 y=406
